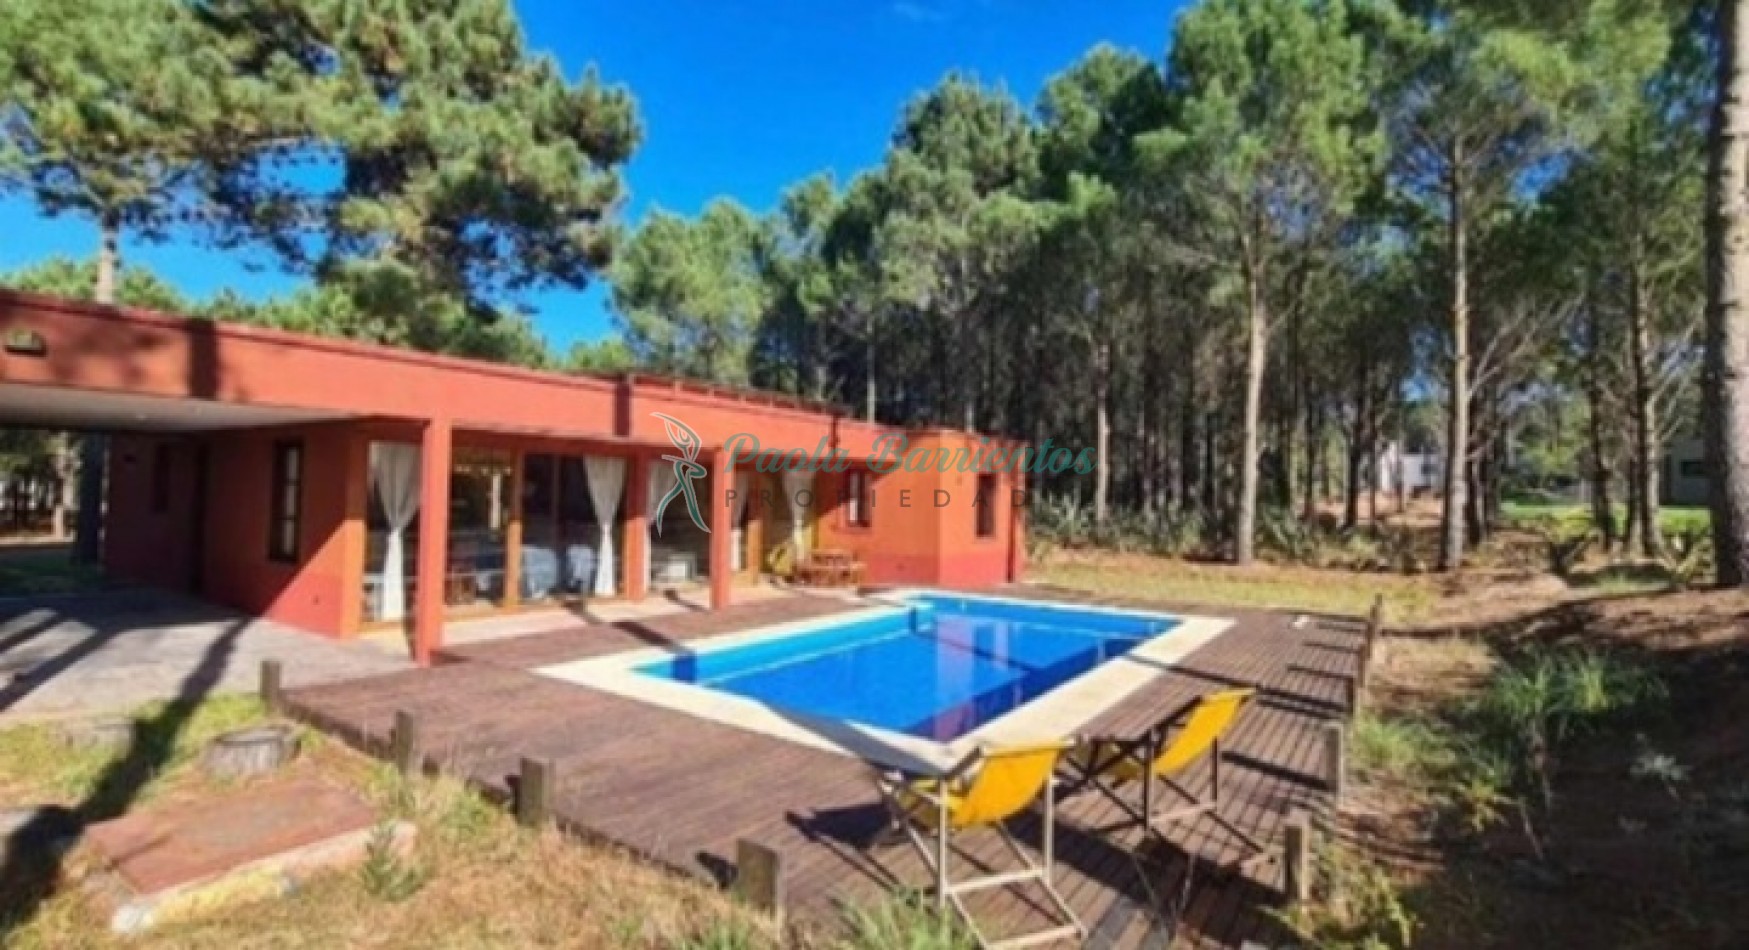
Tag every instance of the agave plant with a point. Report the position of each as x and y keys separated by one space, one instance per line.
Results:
x=1688 y=555
x=1565 y=543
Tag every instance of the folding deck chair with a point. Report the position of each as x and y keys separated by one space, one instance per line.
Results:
x=985 y=789
x=1156 y=756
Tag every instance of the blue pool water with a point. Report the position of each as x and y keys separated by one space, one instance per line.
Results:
x=937 y=669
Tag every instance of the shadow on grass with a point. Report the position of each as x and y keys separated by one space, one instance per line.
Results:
x=32 y=867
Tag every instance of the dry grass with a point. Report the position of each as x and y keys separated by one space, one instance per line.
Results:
x=1259 y=587
x=1638 y=837
x=476 y=879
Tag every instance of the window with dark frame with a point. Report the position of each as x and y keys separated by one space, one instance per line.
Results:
x=986 y=505
x=287 y=502
x=858 y=506
x=160 y=478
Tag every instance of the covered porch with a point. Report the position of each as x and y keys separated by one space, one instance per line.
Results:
x=461 y=521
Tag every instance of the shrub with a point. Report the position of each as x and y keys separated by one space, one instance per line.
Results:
x=1360 y=906
x=1565 y=541
x=723 y=935
x=905 y=922
x=387 y=875
x=1688 y=554
x=1399 y=746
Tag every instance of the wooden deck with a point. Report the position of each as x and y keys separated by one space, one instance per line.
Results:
x=681 y=790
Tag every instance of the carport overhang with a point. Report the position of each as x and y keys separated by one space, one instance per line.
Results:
x=63 y=409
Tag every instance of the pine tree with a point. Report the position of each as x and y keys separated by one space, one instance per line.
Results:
x=116 y=110
x=465 y=169
x=1265 y=169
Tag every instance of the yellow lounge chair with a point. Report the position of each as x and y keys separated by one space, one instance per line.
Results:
x=1158 y=756
x=985 y=789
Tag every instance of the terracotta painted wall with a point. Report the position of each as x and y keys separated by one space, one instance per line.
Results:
x=924 y=528
x=144 y=542
x=313 y=592
x=103 y=349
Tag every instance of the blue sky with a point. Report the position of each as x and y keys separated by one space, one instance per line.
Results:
x=737 y=97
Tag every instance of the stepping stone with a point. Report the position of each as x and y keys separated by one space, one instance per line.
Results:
x=257 y=842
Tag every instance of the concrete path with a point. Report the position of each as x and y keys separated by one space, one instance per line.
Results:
x=85 y=654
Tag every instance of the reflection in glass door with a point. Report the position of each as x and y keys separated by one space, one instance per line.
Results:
x=479 y=519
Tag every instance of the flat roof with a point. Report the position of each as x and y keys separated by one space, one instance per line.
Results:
x=75 y=364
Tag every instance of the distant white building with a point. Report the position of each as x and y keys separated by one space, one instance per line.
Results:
x=1685 y=479
x=1416 y=472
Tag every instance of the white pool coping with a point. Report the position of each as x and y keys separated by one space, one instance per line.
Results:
x=1060 y=713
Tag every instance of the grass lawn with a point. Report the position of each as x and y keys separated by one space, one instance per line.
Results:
x=475 y=879
x=1673 y=518
x=1263 y=586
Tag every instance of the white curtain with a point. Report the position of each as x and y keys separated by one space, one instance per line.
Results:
x=394 y=476
x=795 y=484
x=737 y=557
x=662 y=481
x=607 y=478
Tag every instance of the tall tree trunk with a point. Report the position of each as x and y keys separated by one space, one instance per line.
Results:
x=1245 y=526
x=66 y=486
x=1602 y=507
x=1102 y=432
x=1457 y=454
x=1726 y=379
x=108 y=258
x=1351 y=483
x=1632 y=538
x=1372 y=473
x=1401 y=476
x=868 y=367
x=1148 y=469
x=1211 y=468
x=1190 y=468
x=94 y=449
x=1644 y=416
x=1318 y=467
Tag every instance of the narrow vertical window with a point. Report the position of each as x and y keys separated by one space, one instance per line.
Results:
x=985 y=505
x=160 y=478
x=286 y=505
x=859 y=507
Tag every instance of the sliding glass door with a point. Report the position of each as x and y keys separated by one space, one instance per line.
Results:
x=573 y=517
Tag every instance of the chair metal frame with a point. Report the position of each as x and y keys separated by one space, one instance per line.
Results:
x=1144 y=751
x=935 y=790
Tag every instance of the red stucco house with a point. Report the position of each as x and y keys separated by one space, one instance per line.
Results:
x=339 y=486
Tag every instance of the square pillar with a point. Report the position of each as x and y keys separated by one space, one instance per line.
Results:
x=637 y=533
x=1016 y=525
x=354 y=533
x=513 y=534
x=722 y=529
x=432 y=572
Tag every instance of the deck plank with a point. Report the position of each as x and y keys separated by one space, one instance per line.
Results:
x=681 y=791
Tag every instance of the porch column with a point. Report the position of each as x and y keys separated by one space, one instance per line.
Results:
x=513 y=533
x=722 y=529
x=1016 y=526
x=637 y=540
x=433 y=559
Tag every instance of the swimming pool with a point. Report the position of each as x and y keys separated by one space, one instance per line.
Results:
x=911 y=679
x=937 y=668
